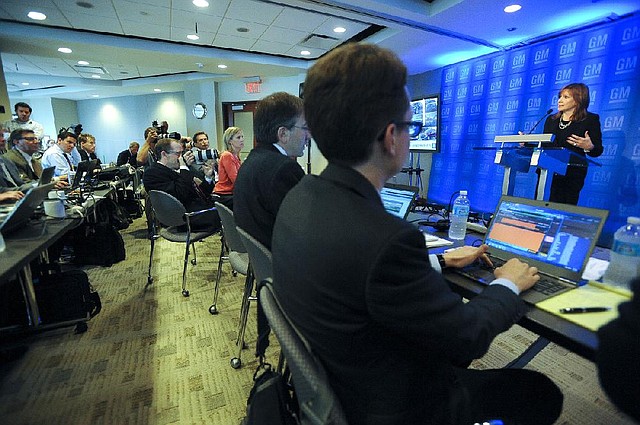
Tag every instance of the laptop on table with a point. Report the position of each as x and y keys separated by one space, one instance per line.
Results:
x=558 y=239
x=398 y=199
x=24 y=209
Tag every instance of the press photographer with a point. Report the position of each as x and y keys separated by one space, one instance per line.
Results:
x=163 y=133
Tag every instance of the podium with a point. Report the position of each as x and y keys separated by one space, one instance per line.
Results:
x=548 y=160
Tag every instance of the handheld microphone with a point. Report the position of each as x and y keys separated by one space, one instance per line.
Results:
x=540 y=120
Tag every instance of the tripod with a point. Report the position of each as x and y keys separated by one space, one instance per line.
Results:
x=411 y=169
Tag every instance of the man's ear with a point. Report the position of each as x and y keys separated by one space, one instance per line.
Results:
x=283 y=134
x=389 y=139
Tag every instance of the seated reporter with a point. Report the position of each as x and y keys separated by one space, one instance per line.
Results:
x=128 y=156
x=171 y=174
x=87 y=147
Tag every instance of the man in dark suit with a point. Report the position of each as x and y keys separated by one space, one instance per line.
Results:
x=171 y=174
x=359 y=284
x=128 y=156
x=269 y=172
x=87 y=149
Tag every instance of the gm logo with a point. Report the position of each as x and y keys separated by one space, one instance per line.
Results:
x=537 y=80
x=528 y=125
x=509 y=127
x=592 y=70
x=446 y=110
x=630 y=35
x=459 y=111
x=563 y=75
x=456 y=131
x=462 y=92
x=480 y=69
x=464 y=73
x=472 y=129
x=495 y=86
x=602 y=177
x=635 y=154
x=598 y=42
x=613 y=123
x=493 y=107
x=567 y=49
x=619 y=94
x=449 y=76
x=444 y=130
x=447 y=94
x=609 y=151
x=475 y=109
x=626 y=65
x=490 y=128
x=498 y=66
x=512 y=106
x=518 y=61
x=515 y=83
x=534 y=103
x=541 y=56
x=477 y=90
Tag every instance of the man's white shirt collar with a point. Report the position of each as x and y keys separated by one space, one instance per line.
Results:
x=281 y=149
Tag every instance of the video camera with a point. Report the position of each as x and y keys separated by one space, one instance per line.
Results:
x=173 y=135
x=75 y=129
x=205 y=155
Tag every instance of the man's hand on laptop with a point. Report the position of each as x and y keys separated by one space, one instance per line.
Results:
x=521 y=274
x=61 y=184
x=466 y=255
x=12 y=195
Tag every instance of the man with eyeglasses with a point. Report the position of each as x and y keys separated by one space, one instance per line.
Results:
x=24 y=146
x=360 y=285
x=269 y=171
x=171 y=174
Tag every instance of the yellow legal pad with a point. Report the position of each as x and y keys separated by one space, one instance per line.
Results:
x=594 y=294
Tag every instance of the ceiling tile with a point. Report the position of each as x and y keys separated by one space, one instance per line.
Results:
x=136 y=12
x=146 y=30
x=299 y=20
x=253 y=11
x=183 y=19
x=233 y=42
x=100 y=8
x=271 y=47
x=283 y=35
x=230 y=26
x=215 y=8
x=95 y=23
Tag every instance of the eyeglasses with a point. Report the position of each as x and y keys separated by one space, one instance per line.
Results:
x=414 y=127
x=303 y=128
x=30 y=139
x=175 y=152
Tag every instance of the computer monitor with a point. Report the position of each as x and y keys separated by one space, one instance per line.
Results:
x=426 y=110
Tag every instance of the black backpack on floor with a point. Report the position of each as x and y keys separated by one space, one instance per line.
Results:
x=66 y=296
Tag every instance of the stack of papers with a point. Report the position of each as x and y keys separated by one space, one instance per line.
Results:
x=433 y=241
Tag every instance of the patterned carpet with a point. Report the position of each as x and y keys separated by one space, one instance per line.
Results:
x=154 y=357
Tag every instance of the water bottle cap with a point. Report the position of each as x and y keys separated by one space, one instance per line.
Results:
x=633 y=220
x=464 y=192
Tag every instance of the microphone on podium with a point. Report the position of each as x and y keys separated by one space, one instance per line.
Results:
x=543 y=117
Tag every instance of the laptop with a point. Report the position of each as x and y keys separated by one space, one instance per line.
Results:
x=24 y=209
x=558 y=239
x=46 y=176
x=84 y=172
x=398 y=199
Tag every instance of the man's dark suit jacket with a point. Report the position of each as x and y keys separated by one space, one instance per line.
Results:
x=5 y=184
x=264 y=179
x=86 y=156
x=125 y=157
x=359 y=285
x=26 y=173
x=180 y=185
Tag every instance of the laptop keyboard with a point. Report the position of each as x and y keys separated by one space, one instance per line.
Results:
x=483 y=273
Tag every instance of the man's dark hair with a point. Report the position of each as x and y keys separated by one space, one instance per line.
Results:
x=22 y=105
x=274 y=111
x=164 y=145
x=67 y=132
x=350 y=96
x=18 y=134
x=198 y=134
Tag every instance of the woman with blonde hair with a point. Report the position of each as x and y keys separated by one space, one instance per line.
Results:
x=228 y=165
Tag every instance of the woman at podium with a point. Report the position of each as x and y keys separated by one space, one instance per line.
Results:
x=578 y=130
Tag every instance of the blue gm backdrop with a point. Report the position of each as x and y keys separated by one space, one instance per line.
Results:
x=507 y=92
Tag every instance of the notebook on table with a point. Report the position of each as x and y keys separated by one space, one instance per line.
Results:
x=24 y=209
x=398 y=199
x=558 y=239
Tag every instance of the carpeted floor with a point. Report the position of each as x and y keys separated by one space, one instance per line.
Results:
x=154 y=357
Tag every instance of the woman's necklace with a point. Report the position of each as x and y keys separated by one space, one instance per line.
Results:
x=562 y=124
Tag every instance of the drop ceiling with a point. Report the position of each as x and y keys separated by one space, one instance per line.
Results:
x=135 y=46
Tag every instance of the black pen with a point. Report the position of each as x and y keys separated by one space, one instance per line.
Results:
x=574 y=310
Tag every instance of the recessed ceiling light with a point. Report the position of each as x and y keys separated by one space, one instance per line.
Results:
x=201 y=3
x=157 y=90
x=339 y=29
x=25 y=84
x=65 y=50
x=193 y=37
x=222 y=66
x=83 y=63
x=510 y=29
x=37 y=16
x=96 y=76
x=305 y=53
x=95 y=95
x=242 y=29
x=512 y=8
x=84 y=4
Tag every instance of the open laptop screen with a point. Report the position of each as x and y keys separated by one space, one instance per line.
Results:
x=553 y=234
x=398 y=200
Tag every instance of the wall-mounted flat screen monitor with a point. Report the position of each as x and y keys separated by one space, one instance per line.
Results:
x=426 y=110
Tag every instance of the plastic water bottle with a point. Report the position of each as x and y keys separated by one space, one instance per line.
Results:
x=459 y=216
x=624 y=264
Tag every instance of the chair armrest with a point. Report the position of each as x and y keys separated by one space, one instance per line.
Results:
x=194 y=213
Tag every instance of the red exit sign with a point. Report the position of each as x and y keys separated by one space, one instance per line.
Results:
x=253 y=87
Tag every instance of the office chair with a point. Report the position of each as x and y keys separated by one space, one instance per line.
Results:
x=260 y=264
x=239 y=260
x=316 y=399
x=172 y=216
